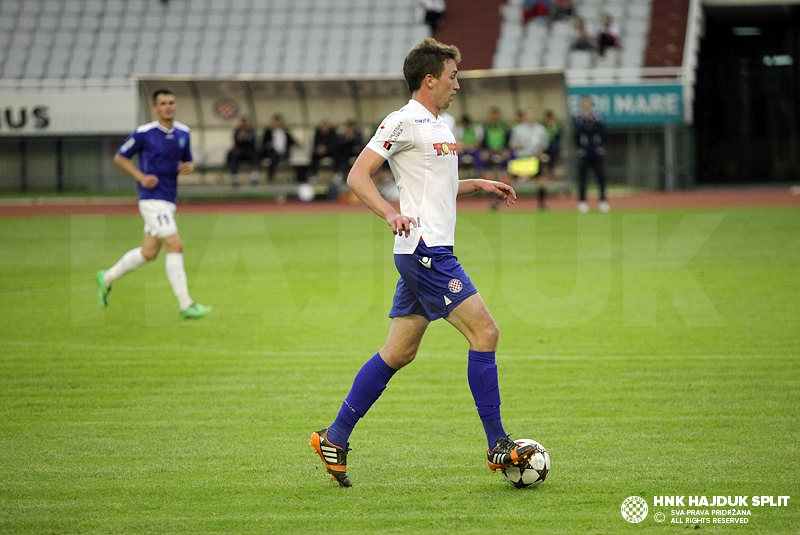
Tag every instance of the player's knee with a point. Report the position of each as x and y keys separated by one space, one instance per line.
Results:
x=488 y=336
x=492 y=334
x=174 y=246
x=397 y=359
x=149 y=254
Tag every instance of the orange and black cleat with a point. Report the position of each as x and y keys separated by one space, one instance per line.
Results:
x=333 y=457
x=508 y=452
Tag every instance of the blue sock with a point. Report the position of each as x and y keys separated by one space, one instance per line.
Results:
x=367 y=387
x=482 y=376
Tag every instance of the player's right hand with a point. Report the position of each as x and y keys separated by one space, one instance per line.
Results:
x=149 y=181
x=401 y=224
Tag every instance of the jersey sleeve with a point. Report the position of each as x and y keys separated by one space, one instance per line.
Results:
x=393 y=135
x=186 y=154
x=132 y=145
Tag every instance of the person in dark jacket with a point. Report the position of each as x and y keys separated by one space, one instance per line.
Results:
x=589 y=128
x=277 y=144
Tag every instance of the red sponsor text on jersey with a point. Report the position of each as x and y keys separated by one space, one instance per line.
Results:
x=445 y=149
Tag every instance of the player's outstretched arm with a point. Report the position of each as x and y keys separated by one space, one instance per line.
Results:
x=360 y=181
x=501 y=189
x=148 y=181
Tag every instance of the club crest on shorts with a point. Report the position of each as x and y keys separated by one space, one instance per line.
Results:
x=454 y=286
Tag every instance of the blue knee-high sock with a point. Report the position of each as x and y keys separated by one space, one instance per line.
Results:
x=367 y=387
x=482 y=376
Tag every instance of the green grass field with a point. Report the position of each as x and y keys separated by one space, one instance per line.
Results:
x=652 y=353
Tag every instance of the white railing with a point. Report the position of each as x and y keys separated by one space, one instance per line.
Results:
x=622 y=75
x=68 y=85
x=694 y=31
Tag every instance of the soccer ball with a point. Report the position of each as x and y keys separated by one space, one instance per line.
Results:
x=532 y=472
x=305 y=192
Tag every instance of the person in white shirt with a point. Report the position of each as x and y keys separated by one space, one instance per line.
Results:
x=529 y=141
x=422 y=154
x=276 y=145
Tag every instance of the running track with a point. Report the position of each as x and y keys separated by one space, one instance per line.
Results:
x=699 y=199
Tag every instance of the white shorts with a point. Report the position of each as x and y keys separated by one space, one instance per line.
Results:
x=159 y=217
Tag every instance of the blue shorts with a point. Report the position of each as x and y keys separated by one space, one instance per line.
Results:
x=432 y=283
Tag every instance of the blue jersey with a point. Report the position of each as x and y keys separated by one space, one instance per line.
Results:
x=160 y=150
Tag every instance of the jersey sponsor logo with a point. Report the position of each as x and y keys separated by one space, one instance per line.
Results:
x=394 y=136
x=426 y=261
x=455 y=286
x=445 y=149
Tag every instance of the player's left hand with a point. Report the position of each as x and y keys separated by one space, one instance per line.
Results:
x=501 y=189
x=185 y=168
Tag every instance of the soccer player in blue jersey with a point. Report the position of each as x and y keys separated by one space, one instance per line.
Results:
x=423 y=157
x=164 y=152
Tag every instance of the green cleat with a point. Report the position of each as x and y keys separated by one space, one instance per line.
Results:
x=102 y=289
x=195 y=312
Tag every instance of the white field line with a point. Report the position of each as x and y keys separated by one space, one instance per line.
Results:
x=455 y=355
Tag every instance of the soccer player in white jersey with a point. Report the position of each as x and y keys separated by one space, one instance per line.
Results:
x=164 y=152
x=422 y=155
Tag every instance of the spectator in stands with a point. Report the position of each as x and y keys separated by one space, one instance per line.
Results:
x=433 y=13
x=589 y=128
x=326 y=144
x=608 y=37
x=562 y=9
x=276 y=145
x=582 y=39
x=529 y=141
x=535 y=9
x=469 y=137
x=351 y=144
x=244 y=149
x=494 y=151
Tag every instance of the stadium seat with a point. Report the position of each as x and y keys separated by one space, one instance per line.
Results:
x=10 y=8
x=42 y=40
x=57 y=64
x=7 y=23
x=71 y=6
x=504 y=61
x=555 y=58
x=579 y=59
x=36 y=63
x=609 y=60
x=92 y=6
x=120 y=65
x=77 y=67
x=219 y=6
x=26 y=21
x=48 y=23
x=197 y=6
x=242 y=5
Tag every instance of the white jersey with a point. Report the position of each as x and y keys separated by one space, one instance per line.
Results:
x=421 y=150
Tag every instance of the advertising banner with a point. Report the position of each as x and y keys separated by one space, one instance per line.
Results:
x=626 y=105
x=47 y=114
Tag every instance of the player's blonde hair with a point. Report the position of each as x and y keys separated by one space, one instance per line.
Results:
x=427 y=57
